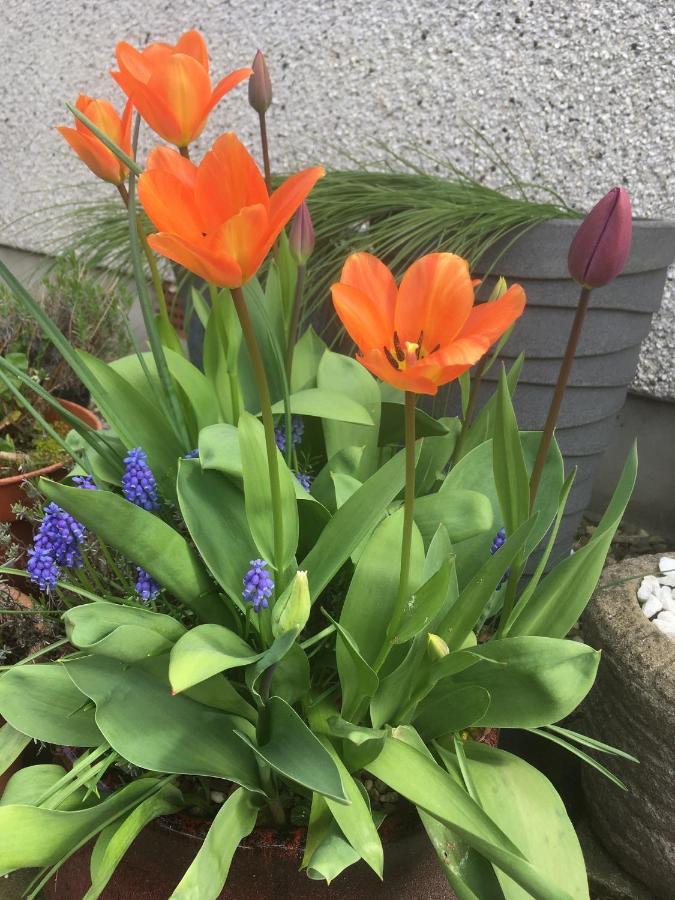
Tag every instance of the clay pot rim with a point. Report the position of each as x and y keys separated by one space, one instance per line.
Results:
x=88 y=418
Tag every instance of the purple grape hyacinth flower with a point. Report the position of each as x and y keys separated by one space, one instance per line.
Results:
x=146 y=586
x=258 y=585
x=304 y=478
x=498 y=541
x=297 y=431
x=193 y=454
x=86 y=482
x=138 y=483
x=57 y=544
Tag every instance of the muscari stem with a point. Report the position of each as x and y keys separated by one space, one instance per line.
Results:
x=559 y=392
x=268 y=423
x=295 y=321
x=265 y=151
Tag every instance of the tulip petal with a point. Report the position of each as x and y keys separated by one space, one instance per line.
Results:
x=434 y=299
x=288 y=197
x=371 y=276
x=486 y=324
x=220 y=270
x=409 y=379
x=241 y=238
x=183 y=86
x=194 y=45
x=134 y=65
x=95 y=155
x=155 y=111
x=168 y=160
x=227 y=83
x=169 y=203
x=228 y=180
x=363 y=316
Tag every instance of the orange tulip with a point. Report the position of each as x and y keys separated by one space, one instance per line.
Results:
x=426 y=332
x=216 y=218
x=170 y=86
x=89 y=148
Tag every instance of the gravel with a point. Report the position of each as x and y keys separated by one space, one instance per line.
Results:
x=576 y=96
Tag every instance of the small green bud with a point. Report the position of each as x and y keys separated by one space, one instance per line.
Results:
x=292 y=610
x=436 y=647
x=498 y=289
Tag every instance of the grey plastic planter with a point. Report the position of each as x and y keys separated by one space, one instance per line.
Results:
x=618 y=319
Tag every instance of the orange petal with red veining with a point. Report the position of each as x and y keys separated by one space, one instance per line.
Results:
x=240 y=239
x=170 y=204
x=288 y=197
x=95 y=155
x=168 y=160
x=194 y=45
x=409 y=380
x=184 y=87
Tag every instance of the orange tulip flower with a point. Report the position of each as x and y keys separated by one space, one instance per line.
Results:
x=89 y=148
x=171 y=87
x=425 y=332
x=216 y=218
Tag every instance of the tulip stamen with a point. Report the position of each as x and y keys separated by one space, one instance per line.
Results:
x=392 y=359
x=400 y=355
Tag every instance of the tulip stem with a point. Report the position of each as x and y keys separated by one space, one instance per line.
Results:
x=559 y=393
x=471 y=405
x=268 y=423
x=295 y=322
x=265 y=151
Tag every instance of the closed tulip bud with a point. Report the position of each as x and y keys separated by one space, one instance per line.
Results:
x=301 y=238
x=260 y=85
x=292 y=610
x=601 y=245
x=436 y=647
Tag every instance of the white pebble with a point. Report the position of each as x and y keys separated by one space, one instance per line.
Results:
x=667 y=626
x=652 y=607
x=649 y=586
x=669 y=603
x=666 y=616
x=666 y=564
x=668 y=580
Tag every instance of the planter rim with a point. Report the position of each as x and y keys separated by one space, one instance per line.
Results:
x=90 y=419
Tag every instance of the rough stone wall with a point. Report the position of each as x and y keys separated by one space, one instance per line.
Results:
x=577 y=95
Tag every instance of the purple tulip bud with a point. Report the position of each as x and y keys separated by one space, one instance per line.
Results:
x=601 y=245
x=301 y=238
x=260 y=85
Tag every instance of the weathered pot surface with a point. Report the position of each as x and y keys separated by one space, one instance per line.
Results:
x=11 y=488
x=632 y=706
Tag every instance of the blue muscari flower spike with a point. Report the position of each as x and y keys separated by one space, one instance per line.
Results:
x=304 y=478
x=86 y=482
x=146 y=586
x=258 y=585
x=297 y=431
x=138 y=482
x=498 y=541
x=57 y=544
x=193 y=454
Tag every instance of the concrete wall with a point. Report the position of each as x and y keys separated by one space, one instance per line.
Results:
x=578 y=95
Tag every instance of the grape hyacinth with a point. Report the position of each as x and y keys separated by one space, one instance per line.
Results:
x=57 y=544
x=146 y=586
x=138 y=483
x=498 y=541
x=193 y=454
x=258 y=585
x=297 y=431
x=86 y=482
x=304 y=478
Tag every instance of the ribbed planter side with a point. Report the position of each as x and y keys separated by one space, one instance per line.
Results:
x=632 y=706
x=618 y=319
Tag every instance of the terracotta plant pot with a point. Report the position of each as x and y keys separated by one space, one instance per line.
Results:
x=632 y=706
x=12 y=488
x=266 y=865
